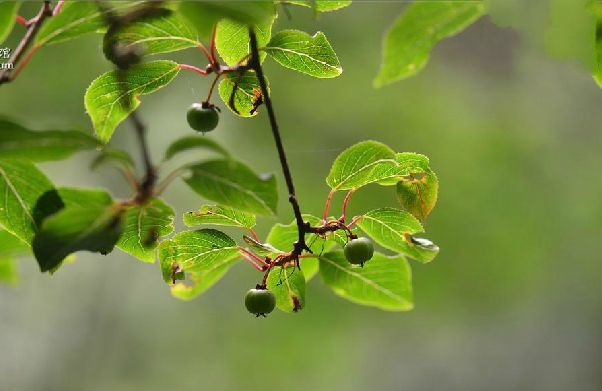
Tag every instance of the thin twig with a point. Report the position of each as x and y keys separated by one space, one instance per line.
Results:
x=34 y=25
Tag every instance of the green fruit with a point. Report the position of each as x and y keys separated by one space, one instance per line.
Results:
x=360 y=250
x=202 y=117
x=260 y=301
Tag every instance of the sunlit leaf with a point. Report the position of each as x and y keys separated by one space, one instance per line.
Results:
x=394 y=229
x=20 y=143
x=10 y=248
x=219 y=215
x=233 y=184
x=241 y=92
x=320 y=5
x=288 y=285
x=420 y=27
x=115 y=94
x=143 y=226
x=384 y=282
x=8 y=11
x=232 y=39
x=417 y=192
x=307 y=54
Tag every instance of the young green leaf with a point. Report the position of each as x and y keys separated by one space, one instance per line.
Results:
x=233 y=184
x=20 y=143
x=204 y=14
x=417 y=191
x=393 y=229
x=21 y=185
x=76 y=19
x=143 y=226
x=419 y=28
x=283 y=236
x=232 y=39
x=240 y=93
x=200 y=281
x=199 y=251
x=384 y=282
x=219 y=215
x=10 y=247
x=310 y=267
x=307 y=54
x=288 y=285
x=8 y=11
x=321 y=5
x=194 y=142
x=115 y=94
x=92 y=228
x=363 y=163
x=162 y=34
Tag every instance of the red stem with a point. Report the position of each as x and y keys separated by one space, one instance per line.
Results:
x=193 y=68
x=254 y=256
x=212 y=87
x=213 y=59
x=251 y=261
x=57 y=7
x=345 y=202
x=327 y=206
x=21 y=20
x=354 y=221
x=253 y=234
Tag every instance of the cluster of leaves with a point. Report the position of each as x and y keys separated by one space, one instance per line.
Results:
x=54 y=222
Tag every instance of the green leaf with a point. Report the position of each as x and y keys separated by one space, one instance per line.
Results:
x=162 y=34
x=200 y=281
x=307 y=54
x=10 y=247
x=199 y=251
x=232 y=39
x=320 y=5
x=76 y=19
x=310 y=267
x=8 y=12
x=596 y=9
x=283 y=236
x=21 y=185
x=194 y=142
x=417 y=192
x=363 y=163
x=118 y=157
x=143 y=226
x=81 y=198
x=20 y=143
x=239 y=93
x=394 y=229
x=203 y=15
x=233 y=184
x=93 y=228
x=420 y=27
x=115 y=94
x=261 y=249
x=288 y=285
x=384 y=282
x=219 y=215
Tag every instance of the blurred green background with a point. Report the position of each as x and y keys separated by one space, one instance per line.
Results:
x=513 y=301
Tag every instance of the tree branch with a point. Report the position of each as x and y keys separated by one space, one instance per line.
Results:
x=302 y=227
x=33 y=27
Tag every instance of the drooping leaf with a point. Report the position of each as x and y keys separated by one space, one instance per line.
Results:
x=8 y=11
x=261 y=249
x=20 y=143
x=321 y=5
x=219 y=215
x=232 y=39
x=201 y=251
x=394 y=229
x=161 y=34
x=76 y=19
x=194 y=142
x=288 y=285
x=10 y=247
x=417 y=191
x=307 y=54
x=115 y=94
x=92 y=228
x=363 y=163
x=118 y=157
x=21 y=185
x=203 y=15
x=233 y=184
x=143 y=226
x=241 y=92
x=420 y=27
x=384 y=282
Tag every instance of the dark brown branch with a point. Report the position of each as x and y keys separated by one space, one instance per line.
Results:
x=302 y=227
x=33 y=27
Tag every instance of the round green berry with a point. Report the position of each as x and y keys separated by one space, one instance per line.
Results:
x=260 y=301
x=202 y=117
x=360 y=250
